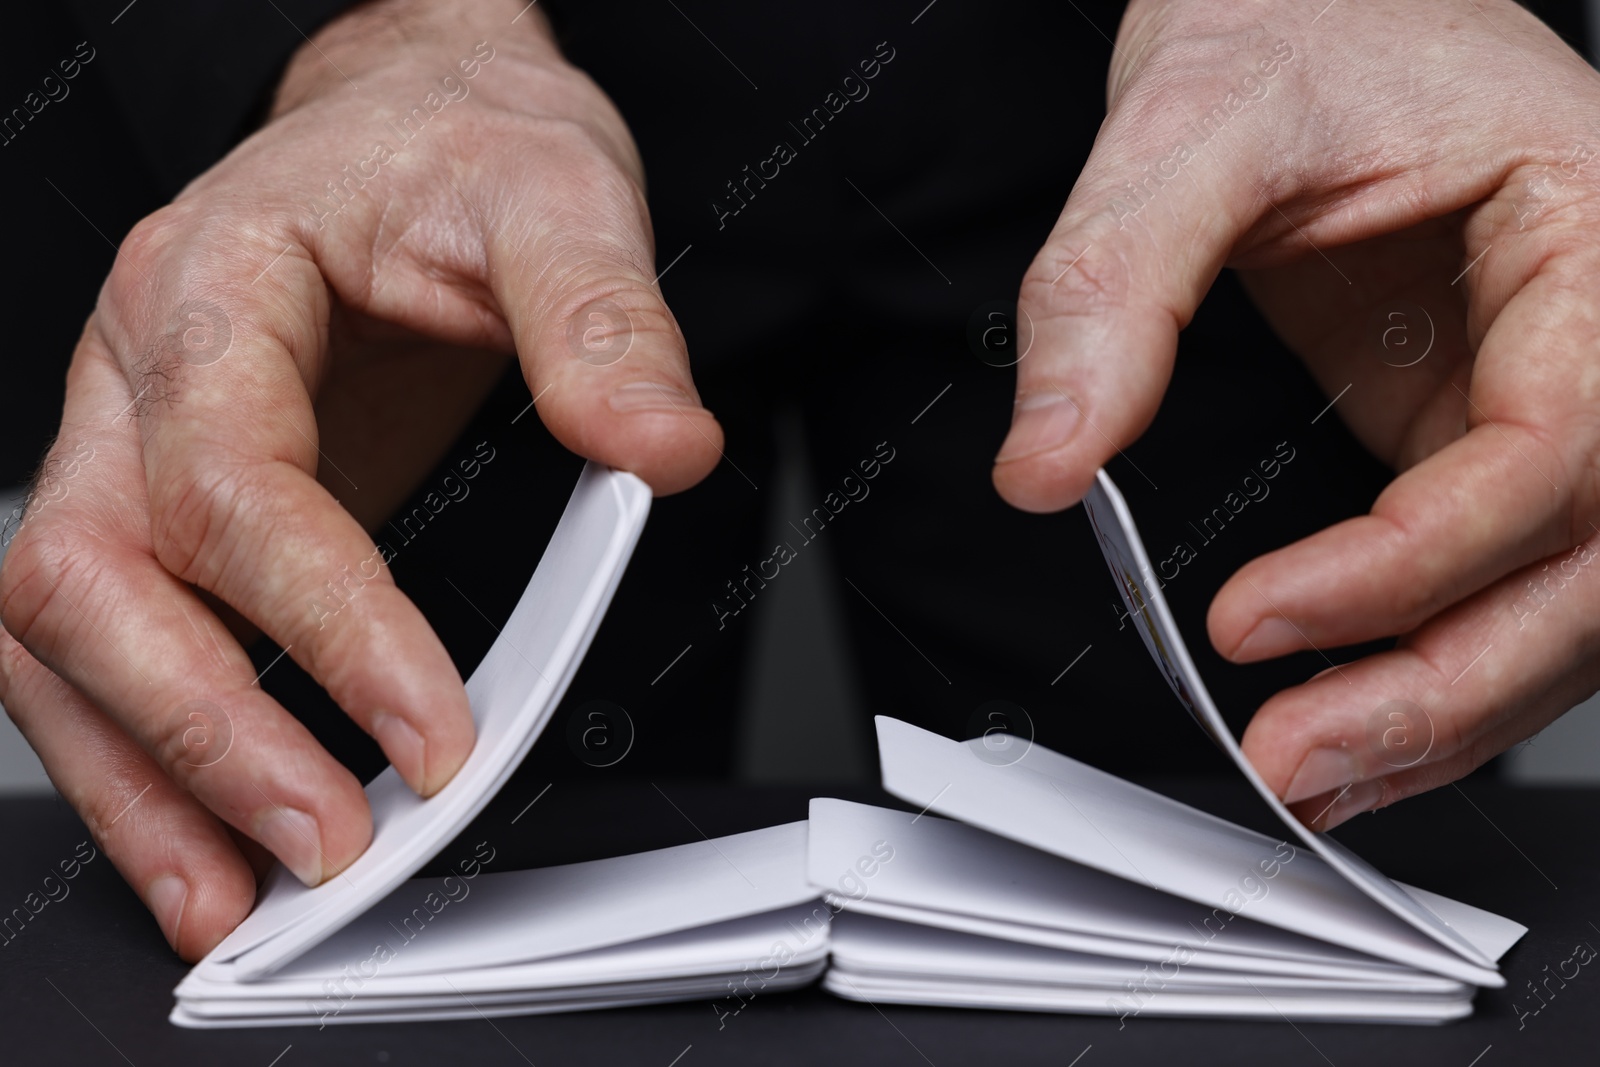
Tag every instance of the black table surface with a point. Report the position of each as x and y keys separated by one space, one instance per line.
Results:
x=89 y=978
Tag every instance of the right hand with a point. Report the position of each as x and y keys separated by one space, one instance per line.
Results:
x=514 y=221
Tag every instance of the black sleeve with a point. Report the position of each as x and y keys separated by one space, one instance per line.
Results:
x=192 y=77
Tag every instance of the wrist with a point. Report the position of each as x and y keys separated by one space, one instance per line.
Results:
x=432 y=34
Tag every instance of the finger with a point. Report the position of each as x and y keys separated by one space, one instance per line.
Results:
x=1480 y=677
x=81 y=590
x=1141 y=239
x=1515 y=488
x=230 y=453
x=570 y=257
x=174 y=853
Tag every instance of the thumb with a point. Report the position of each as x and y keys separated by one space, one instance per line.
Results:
x=1168 y=191
x=570 y=264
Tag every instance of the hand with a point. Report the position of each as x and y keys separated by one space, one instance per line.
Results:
x=1439 y=154
x=507 y=216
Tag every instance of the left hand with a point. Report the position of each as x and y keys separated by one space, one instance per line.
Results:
x=1430 y=152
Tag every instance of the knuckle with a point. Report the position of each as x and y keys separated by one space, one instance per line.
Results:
x=180 y=279
x=566 y=148
x=601 y=140
x=587 y=174
x=1451 y=738
x=1076 y=277
x=1545 y=445
x=154 y=234
x=339 y=655
x=1414 y=604
x=1554 y=194
x=1198 y=84
x=1410 y=603
x=575 y=275
x=567 y=138
x=142 y=251
x=13 y=662
x=37 y=567
x=1192 y=54
x=195 y=513
x=1177 y=69
x=114 y=806
x=175 y=740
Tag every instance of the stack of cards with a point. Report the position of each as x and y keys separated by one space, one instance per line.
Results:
x=1063 y=888
x=690 y=922
x=1047 y=885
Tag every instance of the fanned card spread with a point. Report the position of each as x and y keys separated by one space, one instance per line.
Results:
x=1041 y=884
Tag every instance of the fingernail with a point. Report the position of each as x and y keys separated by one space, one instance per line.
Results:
x=651 y=396
x=166 y=897
x=292 y=836
x=405 y=748
x=1360 y=797
x=1039 y=422
x=1272 y=636
x=1322 y=771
